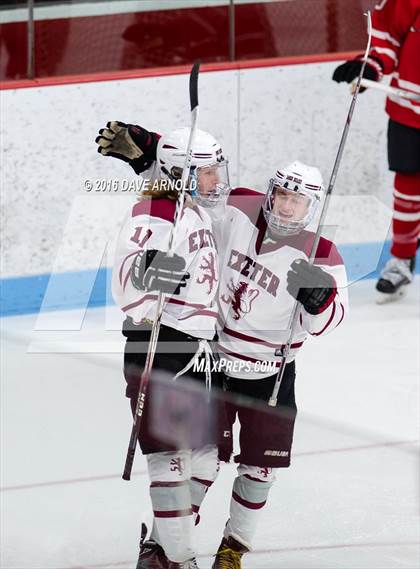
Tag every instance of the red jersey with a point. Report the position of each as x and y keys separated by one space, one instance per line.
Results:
x=396 y=42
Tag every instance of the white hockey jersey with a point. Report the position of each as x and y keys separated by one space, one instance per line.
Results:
x=254 y=305
x=147 y=226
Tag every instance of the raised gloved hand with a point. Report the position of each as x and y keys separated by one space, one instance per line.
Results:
x=350 y=70
x=130 y=143
x=155 y=270
x=310 y=285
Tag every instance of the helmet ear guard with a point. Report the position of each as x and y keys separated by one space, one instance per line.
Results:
x=175 y=177
x=192 y=182
x=176 y=173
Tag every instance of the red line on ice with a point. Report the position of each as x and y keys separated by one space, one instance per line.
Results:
x=144 y=472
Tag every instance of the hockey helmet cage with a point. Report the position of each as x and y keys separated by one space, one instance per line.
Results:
x=293 y=196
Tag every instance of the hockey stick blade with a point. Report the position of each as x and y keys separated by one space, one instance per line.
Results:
x=194 y=85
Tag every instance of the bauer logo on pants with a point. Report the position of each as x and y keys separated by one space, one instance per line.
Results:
x=276 y=453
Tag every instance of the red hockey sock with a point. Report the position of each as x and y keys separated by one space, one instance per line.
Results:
x=406 y=216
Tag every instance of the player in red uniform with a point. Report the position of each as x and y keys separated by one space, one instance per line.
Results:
x=396 y=51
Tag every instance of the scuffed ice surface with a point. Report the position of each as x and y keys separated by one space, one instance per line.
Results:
x=349 y=500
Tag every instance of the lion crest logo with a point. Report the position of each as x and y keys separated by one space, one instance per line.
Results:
x=241 y=298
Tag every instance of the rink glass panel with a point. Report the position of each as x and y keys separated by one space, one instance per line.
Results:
x=79 y=37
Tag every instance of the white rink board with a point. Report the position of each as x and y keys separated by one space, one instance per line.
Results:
x=264 y=117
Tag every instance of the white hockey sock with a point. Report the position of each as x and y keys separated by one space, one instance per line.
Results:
x=154 y=533
x=171 y=501
x=205 y=467
x=249 y=495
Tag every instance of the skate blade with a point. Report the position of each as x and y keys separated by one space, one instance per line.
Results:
x=386 y=298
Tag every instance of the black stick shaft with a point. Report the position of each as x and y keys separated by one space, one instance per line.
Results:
x=145 y=377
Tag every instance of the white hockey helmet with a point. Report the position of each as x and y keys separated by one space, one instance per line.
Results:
x=292 y=199
x=209 y=168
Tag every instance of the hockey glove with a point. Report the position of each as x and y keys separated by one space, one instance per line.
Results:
x=130 y=143
x=350 y=70
x=155 y=270
x=311 y=286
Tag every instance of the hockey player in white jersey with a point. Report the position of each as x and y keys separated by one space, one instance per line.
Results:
x=189 y=280
x=265 y=269
x=266 y=247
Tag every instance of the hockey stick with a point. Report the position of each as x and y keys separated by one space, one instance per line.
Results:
x=296 y=308
x=396 y=91
x=145 y=377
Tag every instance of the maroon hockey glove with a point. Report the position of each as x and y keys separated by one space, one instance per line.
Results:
x=350 y=70
x=155 y=270
x=130 y=143
x=311 y=286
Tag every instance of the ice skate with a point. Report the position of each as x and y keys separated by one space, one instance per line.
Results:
x=395 y=277
x=151 y=554
x=189 y=564
x=229 y=554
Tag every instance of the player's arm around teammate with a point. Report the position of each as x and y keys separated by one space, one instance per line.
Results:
x=179 y=477
x=189 y=280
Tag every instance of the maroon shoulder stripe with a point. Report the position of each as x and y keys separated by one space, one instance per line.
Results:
x=161 y=208
x=249 y=202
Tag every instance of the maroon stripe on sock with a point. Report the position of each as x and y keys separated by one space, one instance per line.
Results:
x=172 y=513
x=254 y=479
x=195 y=508
x=246 y=504
x=207 y=483
x=167 y=484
